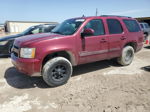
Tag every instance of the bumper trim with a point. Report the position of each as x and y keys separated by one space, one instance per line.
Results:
x=30 y=67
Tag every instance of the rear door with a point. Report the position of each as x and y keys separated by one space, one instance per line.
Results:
x=117 y=37
x=94 y=47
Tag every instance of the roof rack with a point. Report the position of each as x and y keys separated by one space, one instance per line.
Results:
x=114 y=16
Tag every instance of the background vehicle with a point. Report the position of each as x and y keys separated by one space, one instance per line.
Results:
x=146 y=29
x=77 y=41
x=6 y=42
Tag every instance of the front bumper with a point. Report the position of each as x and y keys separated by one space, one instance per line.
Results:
x=27 y=66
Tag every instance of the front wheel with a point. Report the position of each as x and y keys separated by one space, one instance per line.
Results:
x=57 y=71
x=126 y=56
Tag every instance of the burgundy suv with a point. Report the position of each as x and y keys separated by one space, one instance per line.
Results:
x=77 y=41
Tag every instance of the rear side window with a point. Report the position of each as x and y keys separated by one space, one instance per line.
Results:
x=114 y=26
x=132 y=25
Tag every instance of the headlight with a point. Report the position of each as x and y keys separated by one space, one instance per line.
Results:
x=3 y=42
x=27 y=52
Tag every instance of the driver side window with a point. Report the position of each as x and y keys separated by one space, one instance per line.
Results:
x=97 y=26
x=37 y=30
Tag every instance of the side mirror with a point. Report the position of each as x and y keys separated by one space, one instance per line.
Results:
x=87 y=32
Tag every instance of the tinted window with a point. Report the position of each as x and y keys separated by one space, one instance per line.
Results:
x=114 y=26
x=36 y=30
x=141 y=25
x=147 y=26
x=48 y=28
x=97 y=26
x=132 y=25
x=68 y=27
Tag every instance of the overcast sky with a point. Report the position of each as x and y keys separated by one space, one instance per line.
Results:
x=59 y=10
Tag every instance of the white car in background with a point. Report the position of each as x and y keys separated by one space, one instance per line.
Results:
x=146 y=29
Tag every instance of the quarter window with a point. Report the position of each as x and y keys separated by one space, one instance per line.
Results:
x=132 y=25
x=97 y=26
x=114 y=26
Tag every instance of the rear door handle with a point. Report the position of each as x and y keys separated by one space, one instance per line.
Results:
x=123 y=38
x=103 y=40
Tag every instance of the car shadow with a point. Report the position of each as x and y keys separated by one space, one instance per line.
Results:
x=4 y=56
x=21 y=81
x=146 y=68
x=147 y=47
x=86 y=68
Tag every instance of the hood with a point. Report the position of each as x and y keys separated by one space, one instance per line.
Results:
x=10 y=37
x=35 y=37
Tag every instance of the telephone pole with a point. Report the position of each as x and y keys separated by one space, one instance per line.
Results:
x=96 y=12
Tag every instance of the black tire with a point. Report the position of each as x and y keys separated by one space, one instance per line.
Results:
x=126 y=56
x=10 y=48
x=57 y=71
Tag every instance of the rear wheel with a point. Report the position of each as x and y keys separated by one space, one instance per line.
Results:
x=57 y=71
x=126 y=56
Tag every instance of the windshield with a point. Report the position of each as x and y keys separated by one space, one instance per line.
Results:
x=68 y=27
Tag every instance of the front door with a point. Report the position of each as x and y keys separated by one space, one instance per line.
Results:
x=94 y=47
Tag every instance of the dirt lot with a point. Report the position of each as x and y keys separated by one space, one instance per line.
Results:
x=2 y=34
x=98 y=87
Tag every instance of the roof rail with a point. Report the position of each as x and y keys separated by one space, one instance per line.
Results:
x=114 y=16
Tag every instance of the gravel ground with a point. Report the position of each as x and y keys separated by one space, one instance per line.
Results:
x=97 y=87
x=2 y=34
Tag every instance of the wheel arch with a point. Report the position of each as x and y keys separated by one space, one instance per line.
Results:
x=66 y=54
x=132 y=44
x=146 y=33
